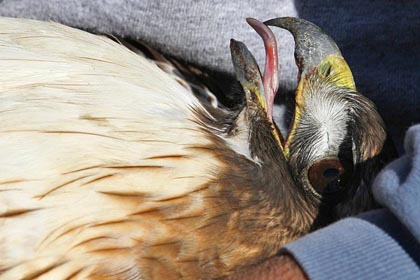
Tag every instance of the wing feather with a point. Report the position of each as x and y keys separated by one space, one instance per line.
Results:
x=95 y=142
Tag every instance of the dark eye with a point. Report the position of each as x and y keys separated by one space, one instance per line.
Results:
x=326 y=175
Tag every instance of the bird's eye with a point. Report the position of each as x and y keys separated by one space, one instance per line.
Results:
x=326 y=176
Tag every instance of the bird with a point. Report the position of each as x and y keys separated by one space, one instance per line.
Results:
x=113 y=167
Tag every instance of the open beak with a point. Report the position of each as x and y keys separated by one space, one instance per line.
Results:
x=260 y=90
x=264 y=87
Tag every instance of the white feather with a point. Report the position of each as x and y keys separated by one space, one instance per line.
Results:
x=74 y=108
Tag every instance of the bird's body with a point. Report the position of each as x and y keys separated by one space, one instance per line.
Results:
x=110 y=168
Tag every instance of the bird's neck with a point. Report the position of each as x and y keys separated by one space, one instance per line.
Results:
x=270 y=208
x=283 y=191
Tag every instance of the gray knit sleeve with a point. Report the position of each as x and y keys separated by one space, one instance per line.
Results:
x=372 y=246
x=381 y=244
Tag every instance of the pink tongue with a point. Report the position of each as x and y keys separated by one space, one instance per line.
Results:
x=271 y=70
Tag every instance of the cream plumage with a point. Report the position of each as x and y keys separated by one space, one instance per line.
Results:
x=105 y=164
x=88 y=129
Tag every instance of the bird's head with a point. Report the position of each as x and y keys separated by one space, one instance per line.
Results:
x=335 y=144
